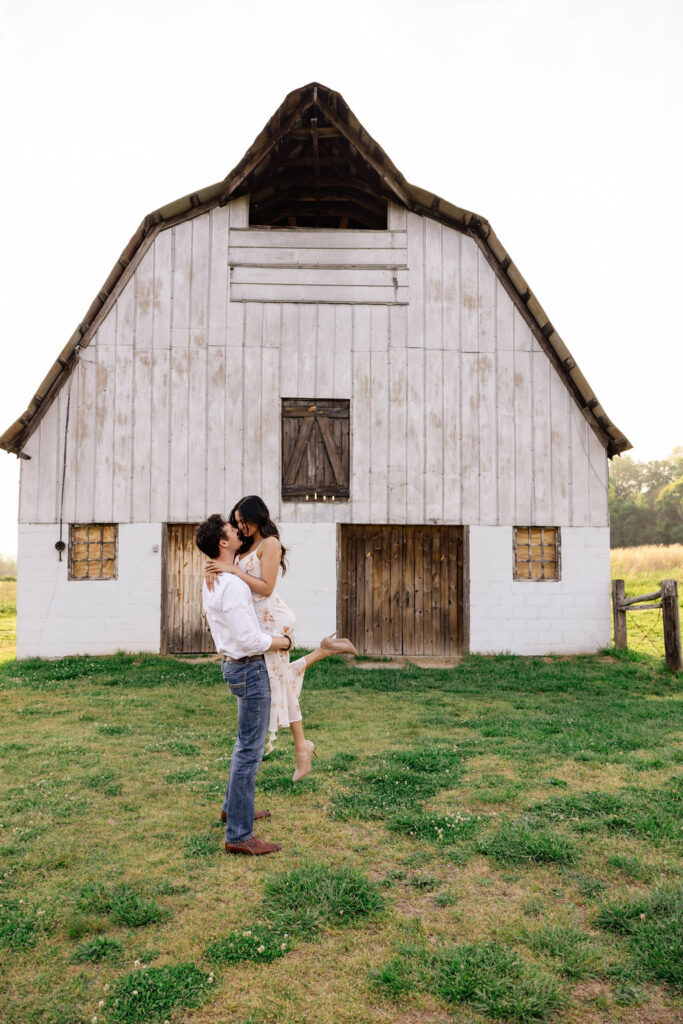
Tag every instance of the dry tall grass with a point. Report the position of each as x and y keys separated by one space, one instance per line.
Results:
x=665 y=559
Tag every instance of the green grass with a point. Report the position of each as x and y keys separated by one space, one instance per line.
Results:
x=121 y=903
x=312 y=896
x=566 y=949
x=488 y=976
x=98 y=949
x=150 y=996
x=473 y=844
x=654 y=926
x=519 y=842
x=8 y=618
x=258 y=943
x=655 y=813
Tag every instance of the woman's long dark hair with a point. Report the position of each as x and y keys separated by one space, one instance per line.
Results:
x=253 y=509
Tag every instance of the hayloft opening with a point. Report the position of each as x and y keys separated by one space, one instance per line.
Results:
x=316 y=178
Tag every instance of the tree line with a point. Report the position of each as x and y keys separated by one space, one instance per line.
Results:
x=8 y=566
x=646 y=501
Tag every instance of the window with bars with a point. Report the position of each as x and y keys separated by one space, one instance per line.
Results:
x=93 y=550
x=537 y=553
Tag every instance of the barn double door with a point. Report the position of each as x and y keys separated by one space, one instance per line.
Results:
x=184 y=627
x=401 y=589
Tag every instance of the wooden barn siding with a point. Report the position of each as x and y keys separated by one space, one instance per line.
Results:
x=157 y=428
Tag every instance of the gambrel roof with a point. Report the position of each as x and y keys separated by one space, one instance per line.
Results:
x=314 y=163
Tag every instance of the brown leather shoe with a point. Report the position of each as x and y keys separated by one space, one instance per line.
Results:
x=257 y=815
x=253 y=847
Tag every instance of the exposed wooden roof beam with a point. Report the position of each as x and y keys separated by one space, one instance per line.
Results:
x=323 y=132
x=348 y=134
x=251 y=162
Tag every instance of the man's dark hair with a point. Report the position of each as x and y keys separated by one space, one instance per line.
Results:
x=208 y=535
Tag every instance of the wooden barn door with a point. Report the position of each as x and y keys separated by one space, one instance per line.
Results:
x=184 y=629
x=400 y=589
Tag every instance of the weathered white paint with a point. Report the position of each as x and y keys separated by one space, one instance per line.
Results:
x=570 y=616
x=457 y=413
x=309 y=585
x=57 y=616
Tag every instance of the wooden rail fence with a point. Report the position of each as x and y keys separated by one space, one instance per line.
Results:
x=665 y=598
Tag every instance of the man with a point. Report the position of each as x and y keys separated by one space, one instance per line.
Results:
x=229 y=609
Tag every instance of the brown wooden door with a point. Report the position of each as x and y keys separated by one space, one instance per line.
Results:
x=184 y=628
x=401 y=589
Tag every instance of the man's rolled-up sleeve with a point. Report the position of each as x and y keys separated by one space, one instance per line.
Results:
x=246 y=632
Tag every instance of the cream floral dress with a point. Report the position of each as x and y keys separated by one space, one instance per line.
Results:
x=286 y=678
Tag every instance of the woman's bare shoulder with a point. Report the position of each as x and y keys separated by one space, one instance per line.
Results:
x=271 y=544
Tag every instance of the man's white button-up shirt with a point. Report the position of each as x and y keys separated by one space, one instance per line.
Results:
x=229 y=609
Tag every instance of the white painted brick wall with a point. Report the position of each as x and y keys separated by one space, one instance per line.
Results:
x=57 y=616
x=570 y=616
x=309 y=586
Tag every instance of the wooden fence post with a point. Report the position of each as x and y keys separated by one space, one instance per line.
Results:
x=619 y=614
x=672 y=625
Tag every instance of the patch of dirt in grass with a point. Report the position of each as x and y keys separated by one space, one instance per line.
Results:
x=390 y=663
x=415 y=1016
x=652 y=1013
x=202 y=659
x=421 y=907
x=606 y=1011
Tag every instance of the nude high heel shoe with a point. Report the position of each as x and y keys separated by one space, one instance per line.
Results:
x=301 y=773
x=340 y=646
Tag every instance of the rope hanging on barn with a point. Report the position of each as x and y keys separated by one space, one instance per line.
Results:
x=60 y=545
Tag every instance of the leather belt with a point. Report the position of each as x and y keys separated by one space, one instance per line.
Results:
x=239 y=661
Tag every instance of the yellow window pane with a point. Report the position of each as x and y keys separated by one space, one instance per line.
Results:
x=80 y=533
x=109 y=550
x=109 y=533
x=80 y=570
x=108 y=570
x=536 y=552
x=536 y=571
x=536 y=532
x=94 y=567
x=79 y=552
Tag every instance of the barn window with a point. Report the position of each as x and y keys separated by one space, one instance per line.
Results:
x=93 y=550
x=315 y=449
x=537 y=553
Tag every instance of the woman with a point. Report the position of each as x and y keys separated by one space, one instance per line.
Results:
x=259 y=561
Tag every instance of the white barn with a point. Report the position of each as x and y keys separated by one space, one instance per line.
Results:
x=365 y=356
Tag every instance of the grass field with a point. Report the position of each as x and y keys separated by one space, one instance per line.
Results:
x=495 y=842
x=8 y=618
x=642 y=569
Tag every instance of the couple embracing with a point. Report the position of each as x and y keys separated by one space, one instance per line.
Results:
x=254 y=631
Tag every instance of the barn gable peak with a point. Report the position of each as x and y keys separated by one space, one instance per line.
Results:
x=315 y=166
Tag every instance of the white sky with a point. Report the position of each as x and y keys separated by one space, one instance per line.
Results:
x=557 y=120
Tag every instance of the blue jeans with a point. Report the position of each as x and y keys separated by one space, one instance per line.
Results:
x=248 y=681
